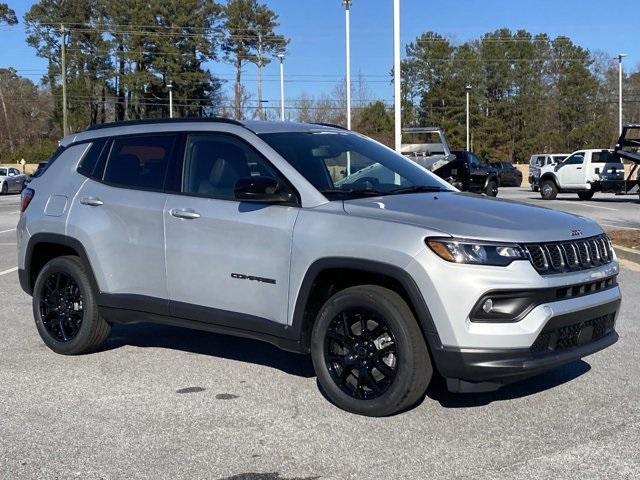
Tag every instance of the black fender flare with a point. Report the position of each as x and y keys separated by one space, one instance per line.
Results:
x=26 y=282
x=425 y=320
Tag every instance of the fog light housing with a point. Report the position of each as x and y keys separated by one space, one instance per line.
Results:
x=487 y=306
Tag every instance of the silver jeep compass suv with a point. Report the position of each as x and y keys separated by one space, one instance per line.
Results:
x=315 y=239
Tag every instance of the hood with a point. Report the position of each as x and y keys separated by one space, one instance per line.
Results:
x=467 y=215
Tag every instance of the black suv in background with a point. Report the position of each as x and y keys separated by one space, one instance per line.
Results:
x=469 y=173
x=508 y=174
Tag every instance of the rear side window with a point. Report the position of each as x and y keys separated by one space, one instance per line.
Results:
x=140 y=161
x=89 y=161
x=605 y=156
x=59 y=151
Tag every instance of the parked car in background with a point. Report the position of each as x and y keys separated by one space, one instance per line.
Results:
x=508 y=174
x=470 y=173
x=11 y=180
x=584 y=172
x=539 y=160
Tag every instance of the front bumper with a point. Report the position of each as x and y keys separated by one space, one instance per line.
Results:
x=565 y=338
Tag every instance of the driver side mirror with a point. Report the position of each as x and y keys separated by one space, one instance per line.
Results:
x=557 y=167
x=260 y=189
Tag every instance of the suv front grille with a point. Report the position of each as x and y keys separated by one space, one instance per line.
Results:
x=557 y=257
x=570 y=336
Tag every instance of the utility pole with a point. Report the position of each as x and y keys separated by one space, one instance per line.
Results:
x=63 y=46
x=281 y=57
x=397 y=77
x=170 y=87
x=259 y=75
x=620 y=57
x=347 y=18
x=467 y=89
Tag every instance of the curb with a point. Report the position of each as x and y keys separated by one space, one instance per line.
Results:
x=628 y=254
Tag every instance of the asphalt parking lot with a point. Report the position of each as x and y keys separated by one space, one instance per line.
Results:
x=609 y=210
x=163 y=402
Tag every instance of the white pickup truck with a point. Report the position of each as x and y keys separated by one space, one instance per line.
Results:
x=584 y=172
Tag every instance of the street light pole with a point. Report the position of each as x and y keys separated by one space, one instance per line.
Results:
x=281 y=57
x=620 y=57
x=347 y=5
x=63 y=46
x=170 y=87
x=396 y=77
x=467 y=89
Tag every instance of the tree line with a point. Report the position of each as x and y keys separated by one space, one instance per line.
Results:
x=528 y=93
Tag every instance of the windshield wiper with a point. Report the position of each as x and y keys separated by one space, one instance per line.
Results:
x=418 y=189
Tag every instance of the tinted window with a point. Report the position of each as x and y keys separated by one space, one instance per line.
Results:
x=3 y=171
x=344 y=163
x=575 y=159
x=215 y=162
x=140 y=161
x=559 y=158
x=605 y=156
x=15 y=171
x=90 y=159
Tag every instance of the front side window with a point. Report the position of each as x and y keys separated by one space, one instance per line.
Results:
x=140 y=161
x=15 y=171
x=575 y=159
x=343 y=164
x=214 y=162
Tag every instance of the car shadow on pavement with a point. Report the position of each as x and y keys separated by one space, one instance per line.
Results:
x=438 y=390
x=212 y=344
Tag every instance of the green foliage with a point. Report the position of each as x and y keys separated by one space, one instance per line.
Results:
x=249 y=36
x=529 y=93
x=7 y=15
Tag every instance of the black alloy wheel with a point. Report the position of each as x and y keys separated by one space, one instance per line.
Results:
x=361 y=354
x=65 y=309
x=61 y=306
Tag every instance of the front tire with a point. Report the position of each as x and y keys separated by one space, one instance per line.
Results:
x=588 y=195
x=65 y=308
x=548 y=190
x=369 y=353
x=5 y=188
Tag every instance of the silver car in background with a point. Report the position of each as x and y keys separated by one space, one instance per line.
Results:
x=11 y=180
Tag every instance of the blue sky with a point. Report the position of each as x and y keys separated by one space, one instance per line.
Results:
x=315 y=61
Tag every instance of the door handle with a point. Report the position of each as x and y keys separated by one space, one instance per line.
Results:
x=91 y=201
x=578 y=168
x=187 y=213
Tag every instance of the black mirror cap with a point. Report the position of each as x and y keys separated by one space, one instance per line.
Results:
x=260 y=189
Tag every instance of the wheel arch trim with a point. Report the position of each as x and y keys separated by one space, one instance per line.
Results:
x=404 y=278
x=27 y=282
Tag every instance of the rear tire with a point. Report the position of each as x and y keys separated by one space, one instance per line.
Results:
x=492 y=188
x=376 y=370
x=588 y=195
x=65 y=308
x=548 y=190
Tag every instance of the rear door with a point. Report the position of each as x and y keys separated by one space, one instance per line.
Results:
x=227 y=261
x=118 y=216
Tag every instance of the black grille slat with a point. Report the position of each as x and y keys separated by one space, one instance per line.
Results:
x=559 y=257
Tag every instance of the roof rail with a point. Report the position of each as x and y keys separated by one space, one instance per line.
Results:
x=155 y=121
x=333 y=125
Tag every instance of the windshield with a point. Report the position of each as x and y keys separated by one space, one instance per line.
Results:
x=345 y=164
x=559 y=158
x=3 y=172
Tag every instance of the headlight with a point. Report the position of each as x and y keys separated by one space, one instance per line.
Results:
x=475 y=252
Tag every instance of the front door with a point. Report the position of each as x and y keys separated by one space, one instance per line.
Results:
x=571 y=171
x=227 y=261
